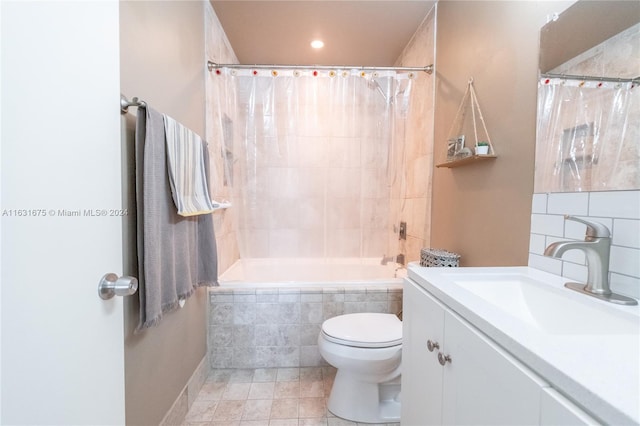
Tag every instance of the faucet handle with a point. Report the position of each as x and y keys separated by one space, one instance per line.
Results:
x=594 y=229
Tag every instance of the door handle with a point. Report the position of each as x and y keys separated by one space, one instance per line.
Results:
x=110 y=285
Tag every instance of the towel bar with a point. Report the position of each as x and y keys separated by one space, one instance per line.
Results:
x=126 y=103
x=221 y=206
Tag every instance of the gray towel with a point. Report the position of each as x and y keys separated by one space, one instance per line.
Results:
x=176 y=254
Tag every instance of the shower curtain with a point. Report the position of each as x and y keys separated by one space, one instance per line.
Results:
x=587 y=135
x=313 y=158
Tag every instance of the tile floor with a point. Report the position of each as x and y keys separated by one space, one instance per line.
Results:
x=266 y=397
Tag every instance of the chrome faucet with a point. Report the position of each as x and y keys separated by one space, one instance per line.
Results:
x=596 y=247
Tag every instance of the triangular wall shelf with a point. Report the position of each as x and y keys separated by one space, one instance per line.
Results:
x=457 y=154
x=467 y=160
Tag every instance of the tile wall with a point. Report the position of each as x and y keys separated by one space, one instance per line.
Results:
x=219 y=50
x=413 y=194
x=321 y=187
x=271 y=327
x=312 y=173
x=618 y=210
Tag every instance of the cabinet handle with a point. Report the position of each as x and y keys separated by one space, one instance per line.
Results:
x=443 y=359
x=432 y=345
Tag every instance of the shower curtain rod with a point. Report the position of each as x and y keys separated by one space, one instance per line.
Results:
x=212 y=65
x=634 y=80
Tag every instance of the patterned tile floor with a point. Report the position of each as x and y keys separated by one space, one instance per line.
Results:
x=266 y=397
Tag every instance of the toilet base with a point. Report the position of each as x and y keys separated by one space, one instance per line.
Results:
x=365 y=402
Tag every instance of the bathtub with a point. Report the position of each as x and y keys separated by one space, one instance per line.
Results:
x=308 y=272
x=267 y=313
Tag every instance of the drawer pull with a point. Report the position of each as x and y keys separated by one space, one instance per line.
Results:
x=432 y=345
x=443 y=359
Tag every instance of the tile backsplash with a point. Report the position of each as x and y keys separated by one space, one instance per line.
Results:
x=618 y=210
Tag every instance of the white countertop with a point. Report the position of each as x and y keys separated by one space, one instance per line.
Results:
x=600 y=372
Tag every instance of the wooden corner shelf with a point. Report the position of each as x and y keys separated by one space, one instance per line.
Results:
x=467 y=160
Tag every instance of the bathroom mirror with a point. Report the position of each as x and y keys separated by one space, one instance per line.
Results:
x=589 y=100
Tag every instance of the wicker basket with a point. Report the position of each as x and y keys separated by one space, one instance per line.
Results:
x=431 y=257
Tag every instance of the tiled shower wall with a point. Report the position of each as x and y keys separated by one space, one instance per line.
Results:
x=291 y=230
x=414 y=192
x=219 y=50
x=271 y=327
x=618 y=210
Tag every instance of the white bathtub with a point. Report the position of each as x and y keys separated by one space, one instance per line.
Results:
x=304 y=272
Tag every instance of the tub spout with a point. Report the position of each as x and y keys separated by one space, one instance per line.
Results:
x=386 y=259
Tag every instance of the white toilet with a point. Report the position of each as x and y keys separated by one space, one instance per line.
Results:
x=366 y=349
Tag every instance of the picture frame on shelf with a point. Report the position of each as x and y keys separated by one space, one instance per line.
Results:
x=455 y=145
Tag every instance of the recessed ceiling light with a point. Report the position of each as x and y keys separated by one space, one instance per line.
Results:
x=317 y=44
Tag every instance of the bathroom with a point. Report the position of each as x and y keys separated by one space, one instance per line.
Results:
x=77 y=81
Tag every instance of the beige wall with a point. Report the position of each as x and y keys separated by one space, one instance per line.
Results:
x=482 y=211
x=162 y=62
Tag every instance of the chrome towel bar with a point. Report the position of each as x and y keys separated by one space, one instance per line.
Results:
x=134 y=102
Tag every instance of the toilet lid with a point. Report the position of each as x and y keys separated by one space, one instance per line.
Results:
x=365 y=330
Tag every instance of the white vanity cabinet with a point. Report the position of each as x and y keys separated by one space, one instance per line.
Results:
x=482 y=383
x=422 y=322
x=479 y=382
x=555 y=410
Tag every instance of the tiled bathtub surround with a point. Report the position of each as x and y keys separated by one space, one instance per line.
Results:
x=279 y=327
x=618 y=210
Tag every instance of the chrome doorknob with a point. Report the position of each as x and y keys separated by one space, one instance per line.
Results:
x=110 y=285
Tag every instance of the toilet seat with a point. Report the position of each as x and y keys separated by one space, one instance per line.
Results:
x=364 y=330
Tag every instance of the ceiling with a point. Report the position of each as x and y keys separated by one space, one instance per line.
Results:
x=369 y=33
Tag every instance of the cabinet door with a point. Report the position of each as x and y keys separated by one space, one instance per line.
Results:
x=558 y=410
x=423 y=320
x=483 y=384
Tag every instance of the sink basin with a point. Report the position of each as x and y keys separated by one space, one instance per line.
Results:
x=551 y=309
